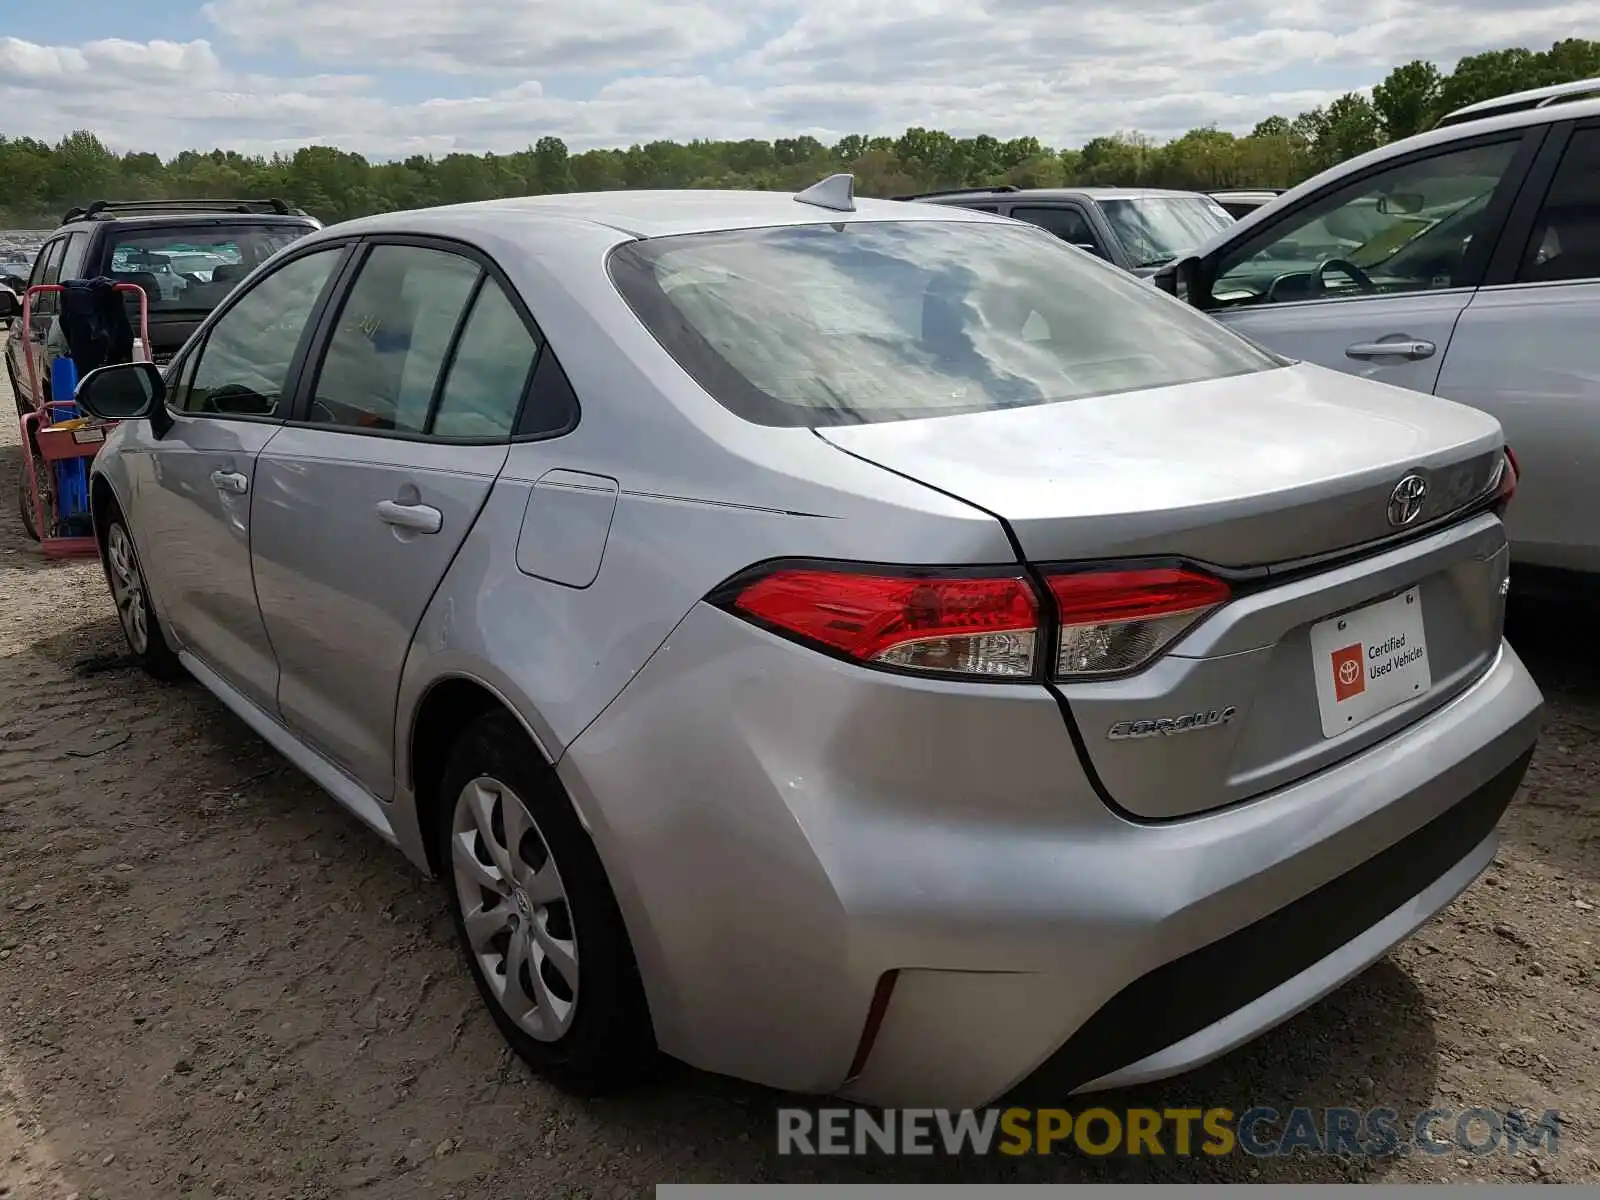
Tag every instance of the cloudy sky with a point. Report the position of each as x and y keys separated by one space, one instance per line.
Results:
x=396 y=77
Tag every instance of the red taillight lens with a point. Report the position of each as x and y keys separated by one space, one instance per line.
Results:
x=980 y=626
x=1509 y=474
x=1116 y=621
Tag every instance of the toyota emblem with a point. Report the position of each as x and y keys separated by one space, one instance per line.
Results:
x=1406 y=501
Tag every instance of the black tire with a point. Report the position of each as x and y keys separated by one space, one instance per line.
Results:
x=610 y=1044
x=23 y=407
x=41 y=478
x=24 y=500
x=155 y=656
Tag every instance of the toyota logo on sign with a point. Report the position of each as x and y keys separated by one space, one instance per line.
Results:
x=1405 y=502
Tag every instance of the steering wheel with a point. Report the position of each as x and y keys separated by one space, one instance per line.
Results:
x=1349 y=270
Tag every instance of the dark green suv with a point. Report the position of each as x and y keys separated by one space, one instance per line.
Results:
x=185 y=254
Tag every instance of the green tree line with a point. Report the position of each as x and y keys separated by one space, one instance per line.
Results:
x=39 y=181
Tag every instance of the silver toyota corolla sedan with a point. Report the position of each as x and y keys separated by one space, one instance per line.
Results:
x=861 y=647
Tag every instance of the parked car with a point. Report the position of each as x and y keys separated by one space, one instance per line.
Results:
x=849 y=619
x=1137 y=229
x=128 y=240
x=1466 y=262
x=1242 y=202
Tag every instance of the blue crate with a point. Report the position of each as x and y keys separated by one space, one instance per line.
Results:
x=63 y=382
x=72 y=493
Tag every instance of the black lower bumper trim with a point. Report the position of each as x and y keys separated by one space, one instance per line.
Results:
x=1182 y=997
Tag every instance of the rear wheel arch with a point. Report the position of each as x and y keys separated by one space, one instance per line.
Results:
x=448 y=707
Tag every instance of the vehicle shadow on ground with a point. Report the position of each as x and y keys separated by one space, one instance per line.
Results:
x=1557 y=814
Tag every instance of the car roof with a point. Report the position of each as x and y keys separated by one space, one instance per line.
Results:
x=651 y=214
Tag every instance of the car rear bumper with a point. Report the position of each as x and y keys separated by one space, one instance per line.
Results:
x=784 y=830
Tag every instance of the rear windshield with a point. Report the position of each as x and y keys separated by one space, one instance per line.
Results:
x=190 y=270
x=844 y=324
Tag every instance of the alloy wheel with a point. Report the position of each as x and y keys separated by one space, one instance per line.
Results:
x=127 y=588
x=514 y=908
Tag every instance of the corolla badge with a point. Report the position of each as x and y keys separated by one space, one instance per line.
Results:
x=1208 y=718
x=1407 y=499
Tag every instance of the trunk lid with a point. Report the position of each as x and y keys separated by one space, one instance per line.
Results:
x=1255 y=476
x=1242 y=472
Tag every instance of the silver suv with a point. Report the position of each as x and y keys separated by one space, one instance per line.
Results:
x=860 y=647
x=1465 y=262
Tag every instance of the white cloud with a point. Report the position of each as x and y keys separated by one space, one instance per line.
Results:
x=493 y=35
x=612 y=72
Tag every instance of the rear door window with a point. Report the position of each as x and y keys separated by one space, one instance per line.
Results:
x=1068 y=224
x=72 y=259
x=1565 y=243
x=387 y=353
x=488 y=372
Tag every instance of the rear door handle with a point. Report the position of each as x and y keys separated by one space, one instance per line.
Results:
x=1412 y=350
x=420 y=518
x=230 y=481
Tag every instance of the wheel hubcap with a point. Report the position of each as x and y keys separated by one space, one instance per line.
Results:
x=127 y=589
x=515 y=909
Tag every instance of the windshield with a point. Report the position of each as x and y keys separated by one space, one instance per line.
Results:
x=1157 y=229
x=191 y=270
x=822 y=325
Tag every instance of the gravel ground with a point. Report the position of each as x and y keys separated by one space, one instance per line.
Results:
x=214 y=982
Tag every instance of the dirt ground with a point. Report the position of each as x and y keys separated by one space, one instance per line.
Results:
x=214 y=982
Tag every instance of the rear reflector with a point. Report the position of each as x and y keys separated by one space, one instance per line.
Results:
x=978 y=625
x=1117 y=621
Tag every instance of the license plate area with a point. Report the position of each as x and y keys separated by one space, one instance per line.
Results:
x=1369 y=660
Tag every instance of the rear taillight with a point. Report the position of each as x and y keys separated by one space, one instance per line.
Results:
x=1115 y=621
x=977 y=624
x=973 y=625
x=1510 y=472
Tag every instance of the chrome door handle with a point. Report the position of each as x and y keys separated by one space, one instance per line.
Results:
x=1412 y=351
x=230 y=481
x=418 y=517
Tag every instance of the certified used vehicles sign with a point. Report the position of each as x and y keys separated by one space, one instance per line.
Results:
x=1369 y=660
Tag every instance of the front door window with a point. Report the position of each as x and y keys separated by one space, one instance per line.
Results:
x=1406 y=229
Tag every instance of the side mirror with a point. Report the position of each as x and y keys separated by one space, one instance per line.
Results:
x=1090 y=248
x=10 y=306
x=123 y=391
x=1180 y=278
x=1400 y=204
